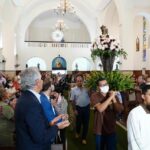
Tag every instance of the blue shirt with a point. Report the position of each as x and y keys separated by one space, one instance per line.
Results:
x=47 y=107
x=80 y=96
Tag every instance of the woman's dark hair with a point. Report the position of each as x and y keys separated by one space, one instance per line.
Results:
x=59 y=90
x=46 y=84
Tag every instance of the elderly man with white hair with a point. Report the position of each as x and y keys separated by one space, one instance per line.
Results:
x=32 y=128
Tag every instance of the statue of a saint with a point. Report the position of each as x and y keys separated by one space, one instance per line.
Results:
x=38 y=66
x=137 y=44
x=104 y=30
x=58 y=64
x=76 y=67
x=26 y=65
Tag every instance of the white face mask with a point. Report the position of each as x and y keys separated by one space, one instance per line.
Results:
x=104 y=89
x=59 y=100
x=52 y=87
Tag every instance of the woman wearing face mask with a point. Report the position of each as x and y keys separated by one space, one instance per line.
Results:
x=106 y=106
x=49 y=111
x=60 y=104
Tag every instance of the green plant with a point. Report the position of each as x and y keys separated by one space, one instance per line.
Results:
x=117 y=81
x=107 y=53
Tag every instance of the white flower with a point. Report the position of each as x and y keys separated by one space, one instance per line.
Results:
x=115 y=43
x=100 y=46
x=97 y=41
x=103 y=47
x=107 y=40
x=112 y=47
x=104 y=42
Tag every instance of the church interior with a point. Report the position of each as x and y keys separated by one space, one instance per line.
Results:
x=65 y=37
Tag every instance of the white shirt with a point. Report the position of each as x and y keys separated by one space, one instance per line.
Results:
x=36 y=94
x=138 y=126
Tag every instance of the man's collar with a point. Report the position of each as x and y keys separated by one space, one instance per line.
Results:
x=36 y=94
x=144 y=107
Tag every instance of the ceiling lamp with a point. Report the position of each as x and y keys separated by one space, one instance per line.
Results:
x=60 y=25
x=65 y=7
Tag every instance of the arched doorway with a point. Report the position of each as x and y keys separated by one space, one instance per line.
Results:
x=36 y=62
x=81 y=64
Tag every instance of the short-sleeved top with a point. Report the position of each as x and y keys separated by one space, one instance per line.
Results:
x=104 y=122
x=80 y=96
x=61 y=108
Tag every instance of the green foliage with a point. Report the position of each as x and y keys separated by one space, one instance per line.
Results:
x=117 y=81
x=98 y=52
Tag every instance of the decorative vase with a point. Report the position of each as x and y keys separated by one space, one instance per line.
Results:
x=107 y=62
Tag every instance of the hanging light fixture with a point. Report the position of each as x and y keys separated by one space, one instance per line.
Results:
x=65 y=7
x=60 y=25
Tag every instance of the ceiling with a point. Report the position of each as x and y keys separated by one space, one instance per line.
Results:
x=51 y=14
x=140 y=3
x=91 y=4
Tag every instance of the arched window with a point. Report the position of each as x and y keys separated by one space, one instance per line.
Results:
x=81 y=64
x=36 y=62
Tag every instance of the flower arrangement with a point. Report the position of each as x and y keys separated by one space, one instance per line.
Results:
x=106 y=46
x=106 y=49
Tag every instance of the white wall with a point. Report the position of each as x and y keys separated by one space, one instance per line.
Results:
x=111 y=20
x=119 y=16
x=41 y=30
x=48 y=54
x=138 y=31
x=138 y=24
x=71 y=54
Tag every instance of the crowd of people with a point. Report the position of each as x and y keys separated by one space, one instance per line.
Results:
x=35 y=108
